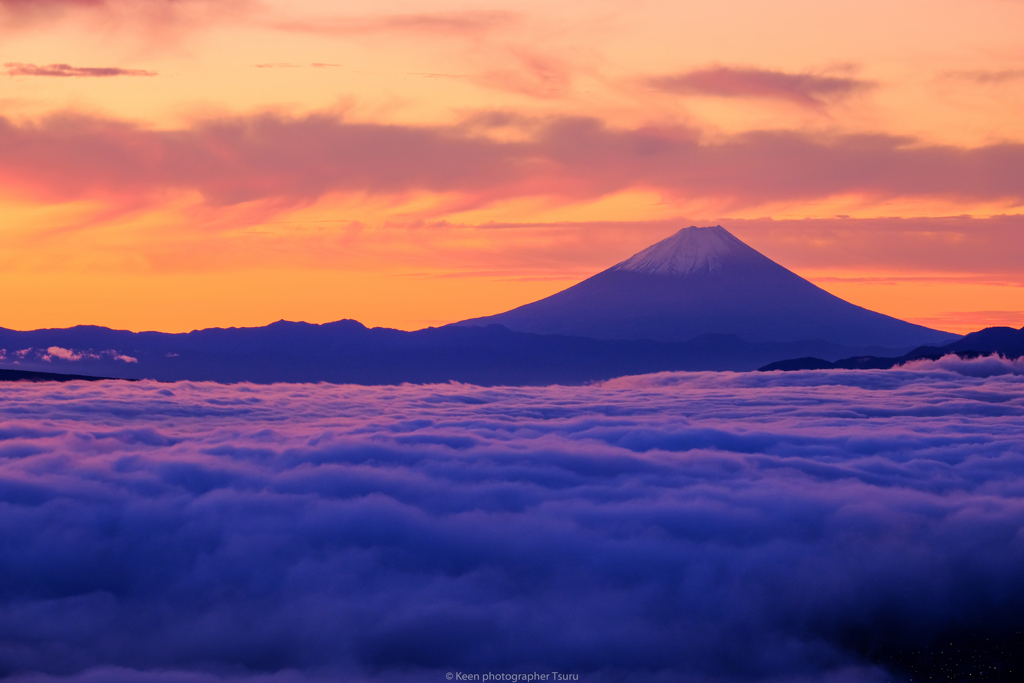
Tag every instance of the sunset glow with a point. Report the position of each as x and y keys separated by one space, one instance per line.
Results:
x=177 y=165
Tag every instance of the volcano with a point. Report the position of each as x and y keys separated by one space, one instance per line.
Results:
x=704 y=281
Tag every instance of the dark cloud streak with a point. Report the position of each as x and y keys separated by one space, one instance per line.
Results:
x=807 y=90
x=68 y=71
x=983 y=77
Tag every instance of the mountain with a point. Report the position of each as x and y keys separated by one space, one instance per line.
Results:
x=347 y=352
x=699 y=300
x=1004 y=341
x=706 y=281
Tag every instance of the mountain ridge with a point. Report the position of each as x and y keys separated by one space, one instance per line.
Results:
x=1007 y=342
x=347 y=352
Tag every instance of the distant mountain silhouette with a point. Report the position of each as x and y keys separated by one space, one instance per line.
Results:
x=31 y=376
x=706 y=281
x=1004 y=341
x=347 y=352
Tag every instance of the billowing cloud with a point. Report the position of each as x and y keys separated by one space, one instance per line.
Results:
x=300 y=159
x=741 y=527
x=985 y=366
x=804 y=89
x=66 y=354
x=68 y=71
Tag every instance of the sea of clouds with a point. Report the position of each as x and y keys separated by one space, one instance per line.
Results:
x=679 y=526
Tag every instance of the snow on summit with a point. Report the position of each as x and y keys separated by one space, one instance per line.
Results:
x=689 y=251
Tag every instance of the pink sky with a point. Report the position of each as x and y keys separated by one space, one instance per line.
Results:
x=175 y=165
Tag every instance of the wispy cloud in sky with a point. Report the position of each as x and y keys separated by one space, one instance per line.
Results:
x=469 y=22
x=531 y=74
x=804 y=89
x=987 y=77
x=956 y=245
x=68 y=71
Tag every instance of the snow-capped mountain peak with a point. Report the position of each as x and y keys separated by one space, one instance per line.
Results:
x=689 y=251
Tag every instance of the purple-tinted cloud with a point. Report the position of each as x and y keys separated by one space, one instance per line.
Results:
x=59 y=353
x=299 y=159
x=954 y=244
x=162 y=18
x=741 y=527
x=985 y=366
x=808 y=90
x=260 y=157
x=68 y=71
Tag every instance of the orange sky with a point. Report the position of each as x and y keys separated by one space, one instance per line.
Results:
x=177 y=165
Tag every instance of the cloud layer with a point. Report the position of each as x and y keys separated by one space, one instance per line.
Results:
x=241 y=159
x=728 y=527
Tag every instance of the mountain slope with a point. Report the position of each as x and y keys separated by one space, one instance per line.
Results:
x=706 y=281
